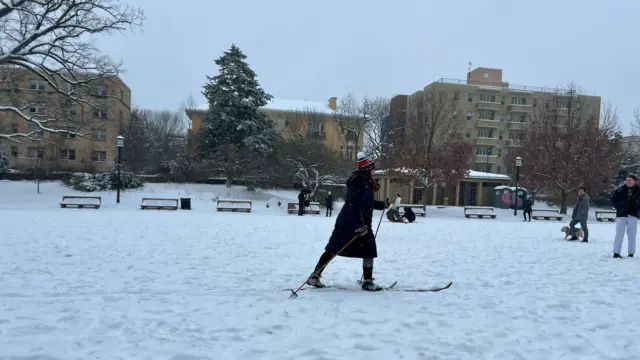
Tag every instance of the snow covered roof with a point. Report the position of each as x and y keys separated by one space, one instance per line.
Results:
x=291 y=105
x=471 y=174
x=512 y=188
x=484 y=175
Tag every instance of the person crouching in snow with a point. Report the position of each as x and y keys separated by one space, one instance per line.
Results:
x=394 y=215
x=355 y=219
x=409 y=214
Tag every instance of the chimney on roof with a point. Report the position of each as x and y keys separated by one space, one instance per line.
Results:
x=333 y=103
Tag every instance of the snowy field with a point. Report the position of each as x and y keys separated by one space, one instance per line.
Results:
x=122 y=283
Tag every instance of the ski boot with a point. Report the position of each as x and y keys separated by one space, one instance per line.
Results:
x=314 y=280
x=369 y=285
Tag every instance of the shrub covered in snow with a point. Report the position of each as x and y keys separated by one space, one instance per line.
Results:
x=101 y=181
x=4 y=162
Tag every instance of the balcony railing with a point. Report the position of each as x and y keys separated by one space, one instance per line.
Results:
x=520 y=108
x=510 y=87
x=489 y=123
x=488 y=105
x=517 y=125
x=487 y=141
x=492 y=159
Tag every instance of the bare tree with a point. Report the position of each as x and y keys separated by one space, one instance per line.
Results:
x=380 y=133
x=569 y=144
x=311 y=164
x=434 y=150
x=53 y=41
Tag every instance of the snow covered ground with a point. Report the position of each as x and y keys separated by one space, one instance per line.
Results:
x=122 y=283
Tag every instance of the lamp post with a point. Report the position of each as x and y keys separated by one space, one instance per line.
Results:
x=515 y=204
x=120 y=145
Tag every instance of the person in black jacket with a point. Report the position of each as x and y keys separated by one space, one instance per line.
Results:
x=528 y=208
x=409 y=214
x=301 y=199
x=354 y=222
x=328 y=203
x=626 y=201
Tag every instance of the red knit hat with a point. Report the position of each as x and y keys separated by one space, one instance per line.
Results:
x=365 y=161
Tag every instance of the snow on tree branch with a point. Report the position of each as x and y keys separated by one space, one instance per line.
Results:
x=54 y=41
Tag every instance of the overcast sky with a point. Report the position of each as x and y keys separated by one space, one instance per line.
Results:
x=315 y=50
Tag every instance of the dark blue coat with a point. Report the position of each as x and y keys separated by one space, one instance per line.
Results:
x=621 y=201
x=328 y=202
x=357 y=211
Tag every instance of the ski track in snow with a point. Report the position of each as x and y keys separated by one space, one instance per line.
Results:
x=106 y=284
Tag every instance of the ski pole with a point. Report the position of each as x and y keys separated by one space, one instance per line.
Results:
x=294 y=294
x=375 y=236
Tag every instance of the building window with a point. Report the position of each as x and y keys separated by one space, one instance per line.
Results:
x=499 y=152
x=456 y=96
x=67 y=154
x=34 y=130
x=486 y=75
x=35 y=153
x=487 y=98
x=502 y=99
x=469 y=115
x=499 y=169
x=37 y=109
x=454 y=115
x=488 y=134
x=14 y=128
x=469 y=97
x=517 y=118
x=518 y=101
x=483 y=151
x=99 y=156
x=100 y=113
x=468 y=134
x=501 y=117
x=350 y=150
x=100 y=90
x=99 y=134
x=36 y=84
x=486 y=115
x=71 y=132
x=73 y=109
x=516 y=135
x=14 y=151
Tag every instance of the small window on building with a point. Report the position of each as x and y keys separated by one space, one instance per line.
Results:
x=36 y=84
x=469 y=115
x=456 y=96
x=454 y=115
x=14 y=128
x=14 y=151
x=502 y=99
x=35 y=153
x=469 y=97
x=37 y=109
x=486 y=75
x=499 y=169
x=99 y=134
x=99 y=156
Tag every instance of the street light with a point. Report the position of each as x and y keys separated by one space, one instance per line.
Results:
x=120 y=145
x=518 y=165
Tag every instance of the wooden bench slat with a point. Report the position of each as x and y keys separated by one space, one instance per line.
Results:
x=81 y=202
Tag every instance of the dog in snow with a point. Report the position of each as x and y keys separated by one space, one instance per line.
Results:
x=567 y=232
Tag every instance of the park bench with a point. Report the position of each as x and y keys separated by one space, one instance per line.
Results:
x=609 y=215
x=81 y=202
x=313 y=208
x=480 y=212
x=233 y=205
x=159 y=204
x=419 y=210
x=547 y=214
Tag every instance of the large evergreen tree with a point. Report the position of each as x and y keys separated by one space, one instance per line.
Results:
x=234 y=118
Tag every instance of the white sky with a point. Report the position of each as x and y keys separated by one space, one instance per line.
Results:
x=315 y=50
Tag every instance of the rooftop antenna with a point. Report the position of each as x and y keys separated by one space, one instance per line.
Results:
x=469 y=66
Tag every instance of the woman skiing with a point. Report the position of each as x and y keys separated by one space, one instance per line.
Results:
x=354 y=220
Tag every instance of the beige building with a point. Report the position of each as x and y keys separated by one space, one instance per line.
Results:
x=495 y=113
x=45 y=151
x=315 y=121
x=631 y=143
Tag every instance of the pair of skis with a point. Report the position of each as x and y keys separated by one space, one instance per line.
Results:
x=387 y=288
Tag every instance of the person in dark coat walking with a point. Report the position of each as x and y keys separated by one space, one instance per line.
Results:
x=528 y=208
x=328 y=203
x=301 y=201
x=626 y=201
x=580 y=215
x=354 y=222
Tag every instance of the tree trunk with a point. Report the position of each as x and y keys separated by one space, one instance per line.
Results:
x=563 y=202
